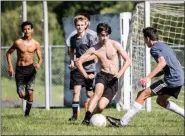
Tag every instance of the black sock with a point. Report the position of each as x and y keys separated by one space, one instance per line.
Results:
x=75 y=106
x=88 y=115
x=28 y=107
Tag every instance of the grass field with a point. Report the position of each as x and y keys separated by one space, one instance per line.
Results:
x=9 y=93
x=55 y=122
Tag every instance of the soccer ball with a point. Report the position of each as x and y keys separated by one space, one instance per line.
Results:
x=98 y=120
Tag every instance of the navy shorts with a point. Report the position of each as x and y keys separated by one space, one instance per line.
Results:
x=161 y=88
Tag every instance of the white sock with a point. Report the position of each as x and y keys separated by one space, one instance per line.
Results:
x=130 y=113
x=175 y=108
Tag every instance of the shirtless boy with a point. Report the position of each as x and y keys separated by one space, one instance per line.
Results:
x=25 y=71
x=107 y=53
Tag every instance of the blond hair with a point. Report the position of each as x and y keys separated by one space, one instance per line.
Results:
x=80 y=18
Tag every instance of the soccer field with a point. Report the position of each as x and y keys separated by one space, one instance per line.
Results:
x=55 y=122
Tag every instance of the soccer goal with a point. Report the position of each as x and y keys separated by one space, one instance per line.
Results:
x=168 y=18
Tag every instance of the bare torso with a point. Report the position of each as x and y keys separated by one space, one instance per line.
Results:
x=25 y=51
x=107 y=57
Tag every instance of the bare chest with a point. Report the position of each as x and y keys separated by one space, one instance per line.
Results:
x=26 y=48
x=107 y=53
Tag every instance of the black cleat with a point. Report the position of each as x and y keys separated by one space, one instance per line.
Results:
x=26 y=115
x=85 y=122
x=73 y=118
x=114 y=121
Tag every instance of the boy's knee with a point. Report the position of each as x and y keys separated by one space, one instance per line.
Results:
x=90 y=94
x=30 y=92
x=21 y=94
x=100 y=108
x=162 y=102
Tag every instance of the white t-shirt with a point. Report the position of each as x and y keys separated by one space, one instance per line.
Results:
x=93 y=33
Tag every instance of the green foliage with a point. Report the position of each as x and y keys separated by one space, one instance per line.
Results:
x=11 y=20
x=10 y=26
x=12 y=11
x=9 y=5
x=120 y=6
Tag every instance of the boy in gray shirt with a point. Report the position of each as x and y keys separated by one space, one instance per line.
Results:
x=81 y=42
x=170 y=85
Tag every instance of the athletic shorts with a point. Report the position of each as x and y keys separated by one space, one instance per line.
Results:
x=77 y=78
x=161 y=88
x=25 y=77
x=110 y=84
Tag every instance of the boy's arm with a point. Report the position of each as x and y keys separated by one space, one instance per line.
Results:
x=157 y=69
x=87 y=56
x=72 y=58
x=125 y=57
x=159 y=74
x=8 y=57
x=68 y=41
x=39 y=56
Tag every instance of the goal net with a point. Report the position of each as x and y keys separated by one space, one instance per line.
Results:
x=168 y=19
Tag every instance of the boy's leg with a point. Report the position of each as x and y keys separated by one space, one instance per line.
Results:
x=162 y=100
x=75 y=102
x=89 y=95
x=136 y=107
x=93 y=102
x=29 y=102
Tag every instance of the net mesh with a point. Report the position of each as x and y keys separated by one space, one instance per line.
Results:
x=168 y=19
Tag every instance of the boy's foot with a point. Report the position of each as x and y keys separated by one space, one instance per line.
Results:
x=26 y=114
x=73 y=118
x=114 y=121
x=85 y=122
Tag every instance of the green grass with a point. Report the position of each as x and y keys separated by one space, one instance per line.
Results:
x=55 y=122
x=9 y=92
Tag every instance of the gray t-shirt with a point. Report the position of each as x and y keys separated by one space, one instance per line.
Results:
x=89 y=31
x=173 y=73
x=82 y=45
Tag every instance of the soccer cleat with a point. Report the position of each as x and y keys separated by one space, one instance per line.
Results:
x=26 y=114
x=115 y=122
x=85 y=122
x=73 y=118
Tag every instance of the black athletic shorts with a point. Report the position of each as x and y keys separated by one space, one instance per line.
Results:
x=110 y=84
x=77 y=78
x=25 y=77
x=161 y=88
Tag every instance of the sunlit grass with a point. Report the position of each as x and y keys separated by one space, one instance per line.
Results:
x=55 y=122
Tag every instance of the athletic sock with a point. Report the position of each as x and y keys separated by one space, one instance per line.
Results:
x=28 y=107
x=130 y=113
x=75 y=106
x=88 y=116
x=175 y=108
